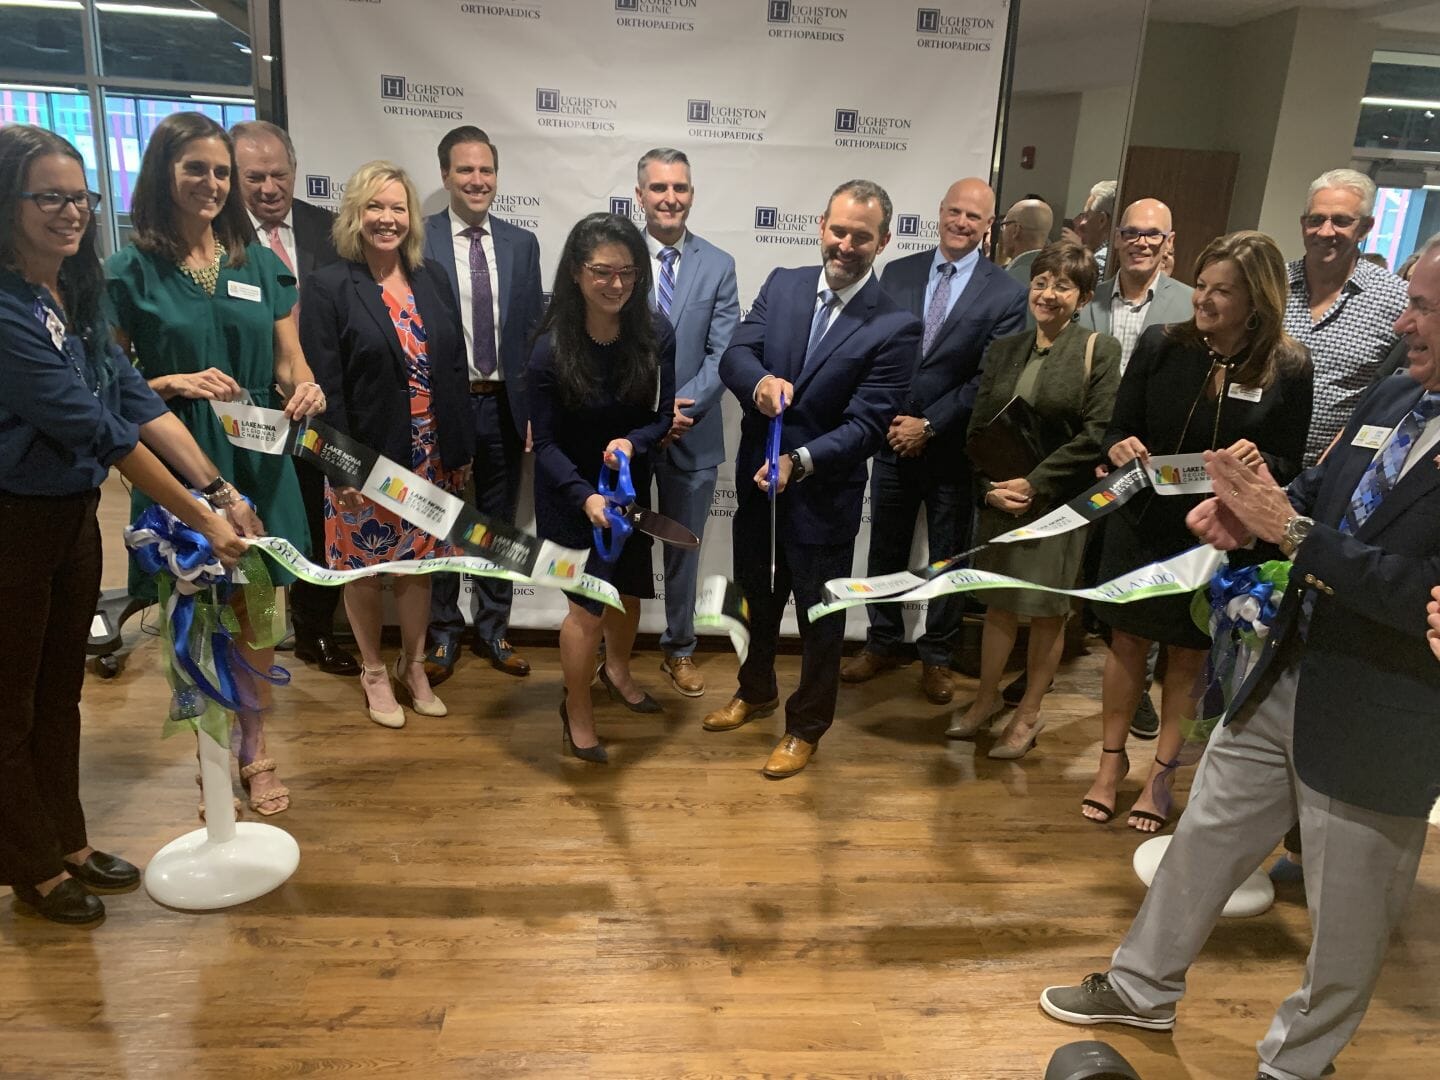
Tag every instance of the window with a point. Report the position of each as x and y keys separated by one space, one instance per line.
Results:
x=1401 y=107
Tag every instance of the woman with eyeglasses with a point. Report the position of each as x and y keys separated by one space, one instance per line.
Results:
x=601 y=383
x=1231 y=378
x=205 y=310
x=72 y=407
x=1068 y=376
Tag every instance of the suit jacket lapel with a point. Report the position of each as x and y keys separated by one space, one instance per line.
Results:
x=374 y=303
x=691 y=264
x=852 y=316
x=442 y=248
x=1420 y=480
x=504 y=265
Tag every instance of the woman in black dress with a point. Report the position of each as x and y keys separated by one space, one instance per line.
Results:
x=1229 y=378
x=601 y=379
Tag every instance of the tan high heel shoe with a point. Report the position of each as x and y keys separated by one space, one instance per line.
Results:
x=394 y=718
x=433 y=707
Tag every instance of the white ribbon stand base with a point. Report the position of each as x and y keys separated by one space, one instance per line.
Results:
x=227 y=862
x=1254 y=897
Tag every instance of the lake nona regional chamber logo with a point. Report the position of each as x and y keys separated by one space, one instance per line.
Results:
x=915 y=233
x=782 y=225
x=959 y=33
x=676 y=16
x=624 y=206
x=590 y=112
x=403 y=96
x=520 y=209
x=805 y=22
x=857 y=130
x=724 y=120
x=516 y=9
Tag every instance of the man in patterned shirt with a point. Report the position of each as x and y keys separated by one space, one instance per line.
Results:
x=1340 y=306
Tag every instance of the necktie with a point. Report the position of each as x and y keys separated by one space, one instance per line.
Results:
x=277 y=245
x=821 y=322
x=482 y=305
x=939 y=305
x=665 y=290
x=1384 y=469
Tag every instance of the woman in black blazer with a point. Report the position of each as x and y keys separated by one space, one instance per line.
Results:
x=387 y=347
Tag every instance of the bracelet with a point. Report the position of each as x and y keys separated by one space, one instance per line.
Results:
x=214 y=487
x=226 y=496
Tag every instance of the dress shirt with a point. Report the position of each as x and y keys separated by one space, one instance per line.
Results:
x=1347 y=345
x=654 y=246
x=964 y=271
x=287 y=237
x=1127 y=319
x=462 y=278
x=1102 y=256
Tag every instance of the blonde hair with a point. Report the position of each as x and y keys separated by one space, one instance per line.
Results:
x=359 y=190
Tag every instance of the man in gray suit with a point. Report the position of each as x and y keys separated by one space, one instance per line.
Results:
x=1023 y=232
x=1140 y=295
x=695 y=289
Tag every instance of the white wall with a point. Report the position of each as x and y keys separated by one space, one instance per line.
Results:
x=1047 y=122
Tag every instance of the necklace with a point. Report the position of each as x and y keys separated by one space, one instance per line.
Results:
x=597 y=341
x=207 y=277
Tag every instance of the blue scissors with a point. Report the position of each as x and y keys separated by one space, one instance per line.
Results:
x=625 y=516
x=772 y=477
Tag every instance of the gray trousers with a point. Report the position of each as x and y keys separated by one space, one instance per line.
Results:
x=1359 y=868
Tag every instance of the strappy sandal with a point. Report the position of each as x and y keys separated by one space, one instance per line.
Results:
x=276 y=794
x=1145 y=815
x=201 y=808
x=1108 y=811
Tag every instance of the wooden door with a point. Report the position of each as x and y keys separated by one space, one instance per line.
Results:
x=1197 y=185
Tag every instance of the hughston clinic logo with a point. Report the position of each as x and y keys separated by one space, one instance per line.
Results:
x=780 y=225
x=520 y=209
x=856 y=130
x=428 y=100
x=322 y=188
x=805 y=22
x=724 y=120
x=915 y=233
x=670 y=15
x=624 y=206
x=959 y=33
x=519 y=9
x=556 y=109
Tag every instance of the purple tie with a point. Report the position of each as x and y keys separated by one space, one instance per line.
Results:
x=482 y=304
x=939 y=305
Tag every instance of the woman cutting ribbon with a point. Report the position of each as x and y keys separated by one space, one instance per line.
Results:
x=601 y=383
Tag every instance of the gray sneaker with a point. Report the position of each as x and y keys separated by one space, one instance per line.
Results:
x=1145 y=724
x=1095 y=1001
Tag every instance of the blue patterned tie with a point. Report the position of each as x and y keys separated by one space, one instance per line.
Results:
x=1384 y=469
x=939 y=305
x=482 y=304
x=665 y=289
x=821 y=322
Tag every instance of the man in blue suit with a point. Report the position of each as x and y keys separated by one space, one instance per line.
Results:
x=494 y=272
x=695 y=289
x=1336 y=724
x=837 y=350
x=964 y=302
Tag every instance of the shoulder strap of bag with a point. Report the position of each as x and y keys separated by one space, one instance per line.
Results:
x=1089 y=363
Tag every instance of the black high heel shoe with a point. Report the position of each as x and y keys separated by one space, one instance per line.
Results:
x=646 y=704
x=595 y=754
x=1095 y=804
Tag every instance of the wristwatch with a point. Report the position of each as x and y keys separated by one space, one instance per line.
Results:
x=927 y=428
x=797 y=467
x=1296 y=530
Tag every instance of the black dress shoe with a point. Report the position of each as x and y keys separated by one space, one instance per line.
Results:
x=69 y=903
x=323 y=650
x=105 y=873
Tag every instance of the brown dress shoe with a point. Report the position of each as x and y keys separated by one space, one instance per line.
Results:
x=730 y=716
x=684 y=675
x=866 y=665
x=935 y=683
x=790 y=756
x=502 y=657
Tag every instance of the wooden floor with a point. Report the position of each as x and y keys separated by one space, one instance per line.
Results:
x=470 y=903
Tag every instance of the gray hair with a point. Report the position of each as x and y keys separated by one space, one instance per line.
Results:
x=665 y=155
x=866 y=191
x=256 y=129
x=1349 y=180
x=1104 y=195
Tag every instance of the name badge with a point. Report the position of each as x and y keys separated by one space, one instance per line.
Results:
x=1371 y=436
x=1245 y=393
x=241 y=291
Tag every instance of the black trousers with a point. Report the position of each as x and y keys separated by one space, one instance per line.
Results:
x=49 y=582
x=312 y=607
x=801 y=570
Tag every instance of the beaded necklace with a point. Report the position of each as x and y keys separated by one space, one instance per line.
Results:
x=207 y=277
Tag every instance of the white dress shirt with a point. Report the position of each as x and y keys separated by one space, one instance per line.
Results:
x=462 y=278
x=655 y=266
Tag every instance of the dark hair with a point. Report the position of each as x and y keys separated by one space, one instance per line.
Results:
x=152 y=209
x=636 y=361
x=1272 y=351
x=1068 y=261
x=82 y=278
x=865 y=191
x=466 y=133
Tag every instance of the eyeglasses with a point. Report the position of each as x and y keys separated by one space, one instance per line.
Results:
x=1046 y=284
x=1317 y=221
x=603 y=274
x=1007 y=224
x=52 y=202
x=1131 y=236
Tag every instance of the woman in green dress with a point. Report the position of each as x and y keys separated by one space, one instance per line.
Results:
x=205 y=311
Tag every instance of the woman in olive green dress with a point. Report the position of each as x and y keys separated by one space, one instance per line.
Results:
x=205 y=311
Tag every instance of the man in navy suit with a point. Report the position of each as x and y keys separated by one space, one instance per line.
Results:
x=494 y=272
x=837 y=350
x=964 y=302
x=1336 y=724
x=695 y=289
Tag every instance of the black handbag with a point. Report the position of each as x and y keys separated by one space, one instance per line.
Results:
x=1011 y=444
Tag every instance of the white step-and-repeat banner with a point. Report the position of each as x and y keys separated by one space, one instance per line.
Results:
x=774 y=102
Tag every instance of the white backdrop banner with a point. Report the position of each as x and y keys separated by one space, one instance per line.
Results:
x=774 y=102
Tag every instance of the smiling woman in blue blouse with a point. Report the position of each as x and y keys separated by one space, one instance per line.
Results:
x=72 y=408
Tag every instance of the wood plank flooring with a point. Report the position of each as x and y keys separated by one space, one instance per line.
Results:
x=470 y=903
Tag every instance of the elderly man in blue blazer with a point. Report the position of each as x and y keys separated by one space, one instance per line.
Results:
x=695 y=289
x=837 y=350
x=964 y=302
x=1336 y=725
x=494 y=273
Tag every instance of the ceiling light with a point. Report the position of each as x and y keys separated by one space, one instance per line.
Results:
x=217 y=99
x=153 y=9
x=53 y=5
x=1400 y=103
x=27 y=88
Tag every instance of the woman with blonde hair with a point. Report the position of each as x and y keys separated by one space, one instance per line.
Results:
x=389 y=351
x=1229 y=378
